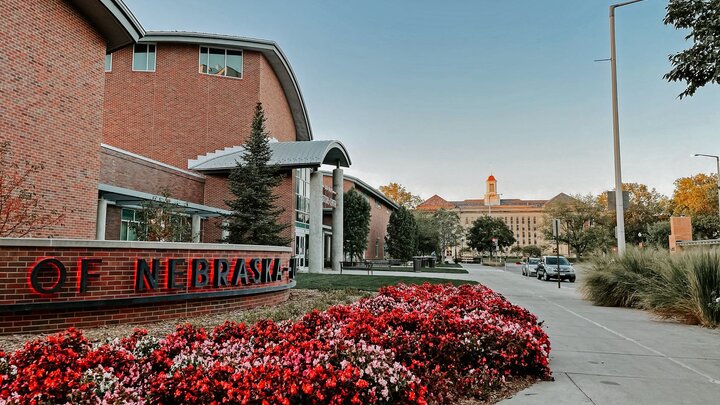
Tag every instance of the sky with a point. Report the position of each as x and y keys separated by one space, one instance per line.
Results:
x=437 y=95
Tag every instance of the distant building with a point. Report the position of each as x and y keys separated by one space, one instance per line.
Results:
x=523 y=217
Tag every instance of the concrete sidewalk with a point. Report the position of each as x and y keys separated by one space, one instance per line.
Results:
x=611 y=355
x=605 y=355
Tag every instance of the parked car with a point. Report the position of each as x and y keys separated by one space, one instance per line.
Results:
x=529 y=266
x=548 y=269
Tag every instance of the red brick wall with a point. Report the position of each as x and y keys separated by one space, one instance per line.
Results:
x=112 y=222
x=116 y=281
x=122 y=170
x=51 y=87
x=175 y=113
x=379 y=218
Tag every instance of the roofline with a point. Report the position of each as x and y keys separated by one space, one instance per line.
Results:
x=367 y=187
x=113 y=20
x=270 y=49
x=149 y=197
x=153 y=161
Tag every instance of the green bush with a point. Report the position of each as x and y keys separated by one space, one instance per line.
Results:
x=685 y=286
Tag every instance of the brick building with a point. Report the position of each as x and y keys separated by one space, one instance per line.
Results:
x=165 y=111
x=523 y=217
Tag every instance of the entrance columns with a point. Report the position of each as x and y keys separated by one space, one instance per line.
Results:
x=315 y=250
x=337 y=220
x=195 y=230
x=101 y=219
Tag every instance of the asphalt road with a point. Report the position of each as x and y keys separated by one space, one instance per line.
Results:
x=610 y=355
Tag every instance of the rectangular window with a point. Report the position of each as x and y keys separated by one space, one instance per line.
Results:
x=221 y=62
x=108 y=62
x=127 y=218
x=144 y=58
x=302 y=195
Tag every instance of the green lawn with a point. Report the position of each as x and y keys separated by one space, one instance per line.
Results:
x=444 y=269
x=362 y=282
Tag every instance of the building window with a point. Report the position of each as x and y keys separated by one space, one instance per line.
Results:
x=127 y=218
x=302 y=195
x=221 y=62
x=144 y=58
x=377 y=248
x=108 y=62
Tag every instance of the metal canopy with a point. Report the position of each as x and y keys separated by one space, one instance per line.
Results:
x=284 y=154
x=125 y=197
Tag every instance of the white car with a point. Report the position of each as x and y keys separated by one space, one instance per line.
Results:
x=529 y=266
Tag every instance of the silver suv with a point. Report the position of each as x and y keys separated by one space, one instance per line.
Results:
x=548 y=269
x=529 y=266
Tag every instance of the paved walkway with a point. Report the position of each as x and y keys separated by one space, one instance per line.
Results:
x=607 y=355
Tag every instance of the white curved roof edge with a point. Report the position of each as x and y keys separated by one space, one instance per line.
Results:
x=284 y=154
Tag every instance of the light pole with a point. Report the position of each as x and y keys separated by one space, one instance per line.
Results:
x=717 y=160
x=620 y=214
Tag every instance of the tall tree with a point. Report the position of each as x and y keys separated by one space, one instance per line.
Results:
x=700 y=64
x=449 y=229
x=22 y=210
x=428 y=237
x=401 y=196
x=255 y=218
x=356 y=223
x=484 y=229
x=160 y=220
x=695 y=195
x=583 y=223
x=401 y=239
x=658 y=235
x=706 y=227
x=646 y=207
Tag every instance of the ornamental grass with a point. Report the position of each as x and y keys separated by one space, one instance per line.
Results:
x=683 y=286
x=406 y=345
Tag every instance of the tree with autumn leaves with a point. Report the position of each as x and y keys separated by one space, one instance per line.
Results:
x=401 y=196
x=22 y=210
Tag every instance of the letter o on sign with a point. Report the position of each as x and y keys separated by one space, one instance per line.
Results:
x=35 y=276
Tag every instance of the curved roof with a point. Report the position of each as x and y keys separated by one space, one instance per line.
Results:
x=284 y=154
x=113 y=20
x=491 y=178
x=269 y=49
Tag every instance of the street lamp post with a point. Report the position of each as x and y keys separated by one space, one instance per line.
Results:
x=620 y=214
x=717 y=160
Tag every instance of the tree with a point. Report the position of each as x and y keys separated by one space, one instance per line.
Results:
x=532 y=251
x=428 y=237
x=448 y=228
x=401 y=239
x=401 y=196
x=583 y=225
x=658 y=234
x=159 y=220
x=706 y=227
x=356 y=223
x=484 y=229
x=699 y=64
x=22 y=210
x=254 y=217
x=695 y=195
x=646 y=207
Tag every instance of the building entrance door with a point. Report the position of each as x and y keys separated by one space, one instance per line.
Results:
x=302 y=238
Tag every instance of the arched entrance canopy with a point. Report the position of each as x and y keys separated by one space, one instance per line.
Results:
x=284 y=154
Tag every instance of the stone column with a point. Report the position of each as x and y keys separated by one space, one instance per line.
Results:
x=195 y=230
x=315 y=250
x=101 y=219
x=337 y=220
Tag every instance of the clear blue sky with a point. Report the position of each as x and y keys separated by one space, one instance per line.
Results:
x=436 y=95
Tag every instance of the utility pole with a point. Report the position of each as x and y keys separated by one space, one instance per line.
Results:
x=619 y=209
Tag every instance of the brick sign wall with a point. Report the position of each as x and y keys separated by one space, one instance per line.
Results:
x=48 y=285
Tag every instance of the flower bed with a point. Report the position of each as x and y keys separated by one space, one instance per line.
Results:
x=408 y=344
